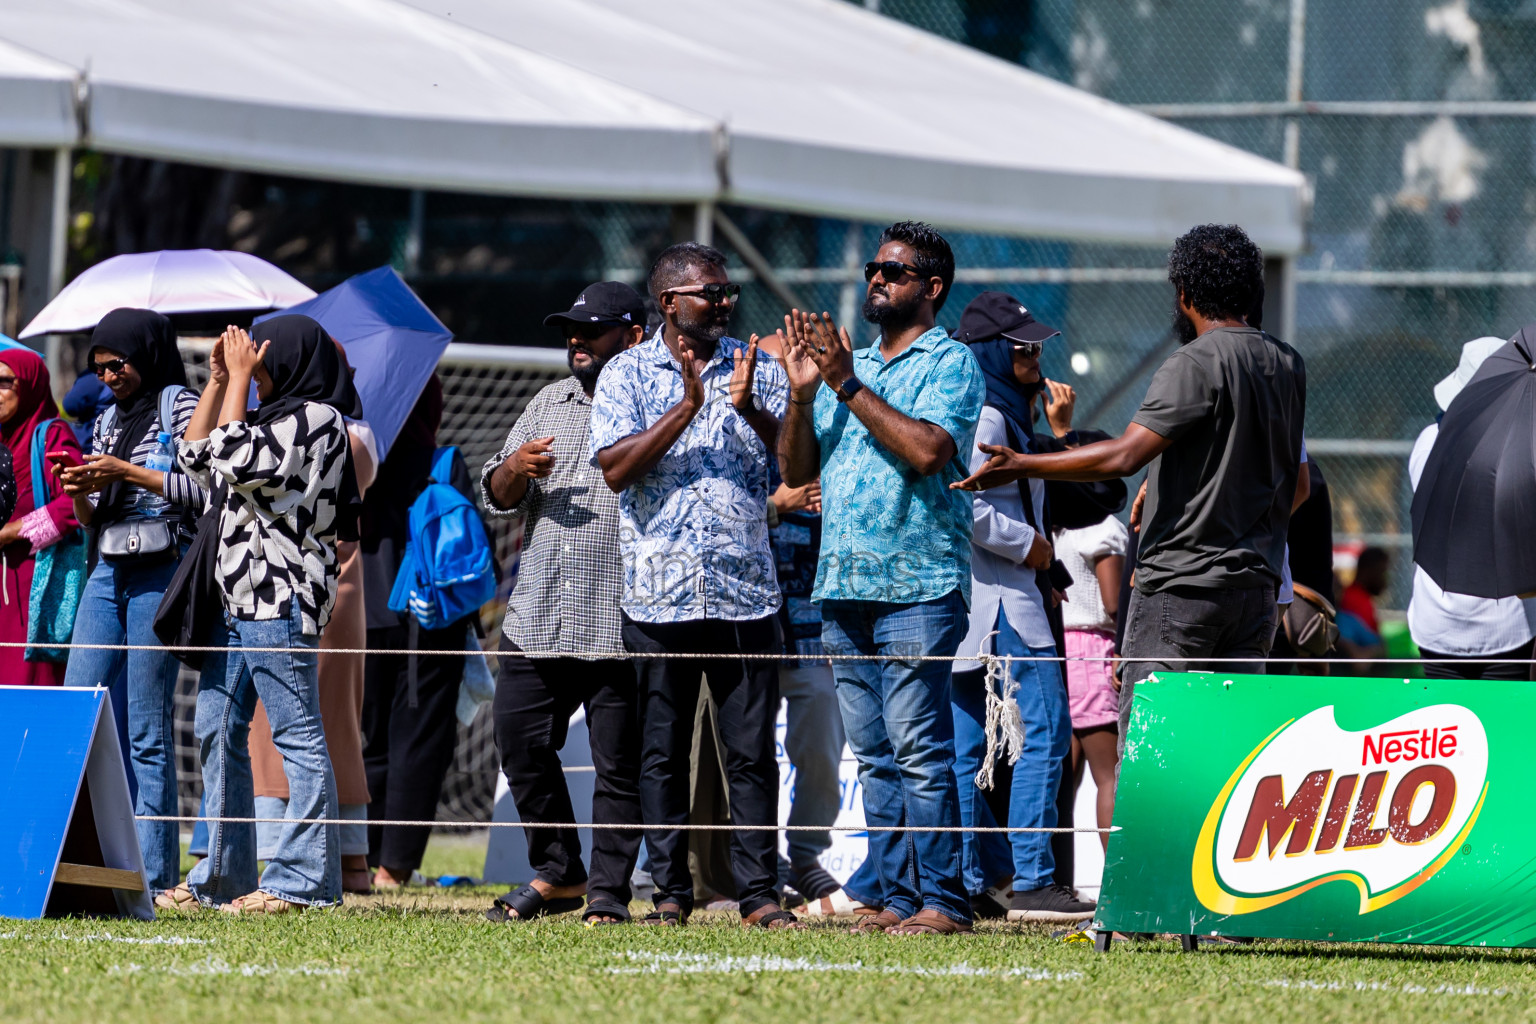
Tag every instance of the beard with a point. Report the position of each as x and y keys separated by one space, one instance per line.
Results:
x=1183 y=327
x=888 y=313
x=586 y=376
x=708 y=327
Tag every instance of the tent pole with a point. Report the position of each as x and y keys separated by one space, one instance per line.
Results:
x=704 y=222
x=58 y=243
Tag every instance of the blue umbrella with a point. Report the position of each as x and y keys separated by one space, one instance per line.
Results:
x=6 y=341
x=392 y=341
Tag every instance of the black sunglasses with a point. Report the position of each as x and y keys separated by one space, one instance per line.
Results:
x=1029 y=348
x=114 y=366
x=713 y=293
x=891 y=270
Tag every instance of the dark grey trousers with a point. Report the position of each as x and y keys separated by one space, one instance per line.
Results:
x=1176 y=628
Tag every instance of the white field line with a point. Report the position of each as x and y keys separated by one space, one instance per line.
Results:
x=1383 y=986
x=155 y=940
x=706 y=963
x=212 y=967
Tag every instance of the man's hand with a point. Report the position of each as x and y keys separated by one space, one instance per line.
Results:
x=241 y=355
x=1041 y=554
x=1004 y=467
x=804 y=375
x=1058 y=411
x=828 y=346
x=533 y=459
x=693 y=385
x=742 y=376
x=1141 y=499
x=795 y=499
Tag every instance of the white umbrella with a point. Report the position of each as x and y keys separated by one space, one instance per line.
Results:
x=172 y=281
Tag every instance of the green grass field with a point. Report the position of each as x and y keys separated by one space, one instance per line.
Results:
x=428 y=955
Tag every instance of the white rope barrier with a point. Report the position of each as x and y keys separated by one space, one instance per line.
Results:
x=626 y=828
x=787 y=656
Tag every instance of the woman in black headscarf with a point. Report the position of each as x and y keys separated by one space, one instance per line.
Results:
x=142 y=516
x=282 y=481
x=1011 y=552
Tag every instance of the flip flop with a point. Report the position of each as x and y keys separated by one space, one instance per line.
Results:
x=599 y=908
x=666 y=915
x=930 y=922
x=773 y=919
x=528 y=904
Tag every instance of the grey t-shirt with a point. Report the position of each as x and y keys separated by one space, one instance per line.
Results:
x=1233 y=402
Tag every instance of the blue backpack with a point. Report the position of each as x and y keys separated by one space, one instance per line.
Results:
x=449 y=570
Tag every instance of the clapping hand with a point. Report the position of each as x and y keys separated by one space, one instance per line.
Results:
x=241 y=355
x=693 y=384
x=828 y=347
x=742 y=376
x=218 y=371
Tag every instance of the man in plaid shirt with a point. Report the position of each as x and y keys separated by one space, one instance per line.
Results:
x=566 y=603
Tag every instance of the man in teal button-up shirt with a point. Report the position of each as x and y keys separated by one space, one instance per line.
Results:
x=888 y=430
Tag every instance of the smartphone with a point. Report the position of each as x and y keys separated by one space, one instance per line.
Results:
x=63 y=460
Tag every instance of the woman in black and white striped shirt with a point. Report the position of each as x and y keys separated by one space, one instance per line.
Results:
x=142 y=519
x=283 y=483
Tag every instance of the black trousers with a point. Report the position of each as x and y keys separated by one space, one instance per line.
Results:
x=747 y=696
x=535 y=698
x=407 y=750
x=1510 y=665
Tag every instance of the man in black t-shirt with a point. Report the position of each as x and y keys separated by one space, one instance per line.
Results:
x=1221 y=426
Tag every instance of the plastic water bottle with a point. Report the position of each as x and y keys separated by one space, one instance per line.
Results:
x=161 y=458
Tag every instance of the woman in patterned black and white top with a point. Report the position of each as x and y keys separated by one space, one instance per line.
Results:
x=133 y=351
x=282 y=479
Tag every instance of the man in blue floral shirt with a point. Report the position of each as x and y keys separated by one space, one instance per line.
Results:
x=889 y=429
x=683 y=426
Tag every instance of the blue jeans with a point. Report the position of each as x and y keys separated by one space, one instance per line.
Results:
x=306 y=866
x=1047 y=720
x=901 y=729
x=118 y=606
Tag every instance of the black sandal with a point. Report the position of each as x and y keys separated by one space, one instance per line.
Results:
x=527 y=904
x=600 y=908
x=773 y=919
x=666 y=915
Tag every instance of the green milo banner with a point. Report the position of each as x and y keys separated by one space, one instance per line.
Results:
x=1381 y=810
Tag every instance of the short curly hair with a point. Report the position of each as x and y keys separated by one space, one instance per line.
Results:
x=674 y=263
x=934 y=256
x=1218 y=270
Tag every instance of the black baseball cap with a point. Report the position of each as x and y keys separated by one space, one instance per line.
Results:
x=606 y=302
x=998 y=314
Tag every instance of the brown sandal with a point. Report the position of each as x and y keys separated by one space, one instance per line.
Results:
x=179 y=899
x=876 y=924
x=931 y=922
x=260 y=902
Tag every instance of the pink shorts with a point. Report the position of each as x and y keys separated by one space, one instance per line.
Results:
x=1091 y=692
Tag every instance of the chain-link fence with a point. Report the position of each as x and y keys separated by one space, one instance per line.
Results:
x=1414 y=122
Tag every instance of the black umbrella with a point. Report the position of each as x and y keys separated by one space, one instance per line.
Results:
x=1474 y=514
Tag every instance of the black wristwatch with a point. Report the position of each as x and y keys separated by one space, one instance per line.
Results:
x=849 y=388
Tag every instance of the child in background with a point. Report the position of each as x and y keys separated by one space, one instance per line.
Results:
x=1095 y=556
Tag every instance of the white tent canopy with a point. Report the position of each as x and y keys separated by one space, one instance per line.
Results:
x=38 y=106
x=806 y=105
x=835 y=110
x=358 y=90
